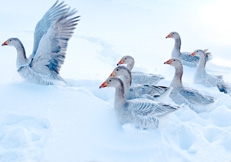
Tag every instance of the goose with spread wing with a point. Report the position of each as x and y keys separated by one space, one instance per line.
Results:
x=138 y=91
x=185 y=95
x=184 y=57
x=139 y=77
x=51 y=37
x=142 y=113
x=209 y=80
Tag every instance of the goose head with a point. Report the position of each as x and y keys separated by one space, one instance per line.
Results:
x=124 y=72
x=12 y=42
x=174 y=35
x=112 y=82
x=198 y=53
x=121 y=71
x=174 y=62
x=126 y=60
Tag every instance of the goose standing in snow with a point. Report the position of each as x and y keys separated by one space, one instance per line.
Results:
x=51 y=37
x=184 y=57
x=184 y=95
x=139 y=77
x=202 y=77
x=142 y=113
x=137 y=91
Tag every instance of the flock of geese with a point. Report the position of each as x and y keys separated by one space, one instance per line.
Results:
x=137 y=97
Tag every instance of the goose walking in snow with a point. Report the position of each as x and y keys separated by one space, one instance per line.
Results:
x=202 y=77
x=139 y=77
x=142 y=113
x=185 y=95
x=137 y=91
x=184 y=57
x=51 y=37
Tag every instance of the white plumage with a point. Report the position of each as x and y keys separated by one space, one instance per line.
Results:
x=184 y=57
x=51 y=37
x=185 y=95
x=142 y=113
x=202 y=77
x=139 y=77
x=140 y=90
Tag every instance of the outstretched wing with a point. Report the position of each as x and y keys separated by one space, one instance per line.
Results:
x=52 y=47
x=55 y=12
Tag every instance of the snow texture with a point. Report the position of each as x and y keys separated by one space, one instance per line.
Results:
x=77 y=123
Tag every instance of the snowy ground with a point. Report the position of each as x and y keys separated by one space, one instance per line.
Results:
x=77 y=123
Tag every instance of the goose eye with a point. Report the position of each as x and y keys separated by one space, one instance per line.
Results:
x=117 y=69
x=10 y=39
x=110 y=80
x=174 y=60
x=125 y=58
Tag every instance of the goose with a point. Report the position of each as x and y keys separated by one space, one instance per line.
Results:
x=139 y=77
x=185 y=95
x=185 y=57
x=143 y=114
x=137 y=91
x=209 y=80
x=51 y=37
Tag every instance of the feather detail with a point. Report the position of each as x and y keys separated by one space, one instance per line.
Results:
x=143 y=113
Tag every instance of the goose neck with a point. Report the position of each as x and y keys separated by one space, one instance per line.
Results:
x=177 y=79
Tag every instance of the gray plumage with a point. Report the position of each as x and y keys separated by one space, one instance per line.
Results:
x=185 y=95
x=140 y=77
x=142 y=113
x=184 y=57
x=139 y=90
x=209 y=80
x=51 y=37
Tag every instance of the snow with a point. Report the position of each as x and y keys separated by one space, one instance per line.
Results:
x=77 y=122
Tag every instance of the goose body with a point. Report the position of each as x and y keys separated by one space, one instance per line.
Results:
x=185 y=95
x=51 y=37
x=184 y=57
x=209 y=80
x=139 y=90
x=142 y=113
x=140 y=77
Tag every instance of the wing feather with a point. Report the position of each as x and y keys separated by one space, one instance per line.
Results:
x=151 y=108
x=191 y=60
x=194 y=97
x=52 y=47
x=55 y=12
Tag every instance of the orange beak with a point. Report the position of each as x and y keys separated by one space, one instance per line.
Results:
x=169 y=36
x=112 y=74
x=168 y=62
x=193 y=54
x=5 y=43
x=104 y=84
x=120 y=62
